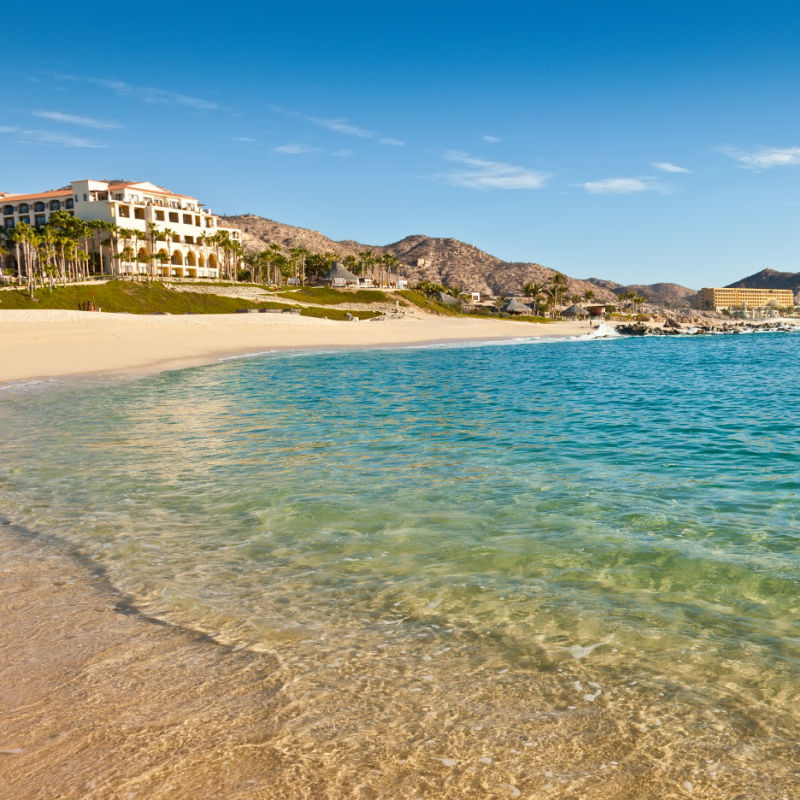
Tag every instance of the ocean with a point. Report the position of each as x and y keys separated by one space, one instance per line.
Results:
x=515 y=569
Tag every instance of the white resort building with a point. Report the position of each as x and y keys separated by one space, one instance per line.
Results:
x=150 y=230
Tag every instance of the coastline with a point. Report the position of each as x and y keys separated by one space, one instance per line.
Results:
x=46 y=344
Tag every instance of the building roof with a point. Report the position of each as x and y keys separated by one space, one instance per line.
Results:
x=575 y=310
x=514 y=306
x=38 y=196
x=66 y=191
x=338 y=271
x=447 y=299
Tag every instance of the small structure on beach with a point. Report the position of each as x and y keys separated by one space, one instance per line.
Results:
x=339 y=276
x=514 y=306
x=576 y=311
x=447 y=299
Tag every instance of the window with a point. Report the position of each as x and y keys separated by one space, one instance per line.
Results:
x=124 y=211
x=76 y=198
x=138 y=213
x=26 y=220
x=187 y=219
x=209 y=224
x=197 y=221
x=40 y=220
x=188 y=239
x=160 y=216
x=69 y=203
x=85 y=198
x=116 y=197
x=23 y=209
x=10 y=223
x=173 y=217
x=8 y=210
x=55 y=205
x=39 y=206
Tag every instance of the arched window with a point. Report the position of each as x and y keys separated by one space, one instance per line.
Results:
x=69 y=203
x=8 y=210
x=24 y=208
x=39 y=206
x=162 y=256
x=142 y=254
x=191 y=260
x=177 y=258
x=201 y=262
x=212 y=261
x=55 y=205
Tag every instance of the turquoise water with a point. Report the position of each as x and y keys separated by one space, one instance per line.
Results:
x=579 y=525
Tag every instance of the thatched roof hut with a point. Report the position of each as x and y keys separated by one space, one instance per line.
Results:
x=576 y=310
x=339 y=276
x=514 y=306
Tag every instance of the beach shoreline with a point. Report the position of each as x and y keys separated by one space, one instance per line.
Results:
x=54 y=343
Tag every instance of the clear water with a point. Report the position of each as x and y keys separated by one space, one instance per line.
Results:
x=587 y=549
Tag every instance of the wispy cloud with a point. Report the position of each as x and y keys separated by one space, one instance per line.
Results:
x=477 y=173
x=294 y=149
x=339 y=125
x=73 y=119
x=49 y=138
x=491 y=139
x=343 y=153
x=666 y=166
x=766 y=158
x=243 y=139
x=147 y=94
x=622 y=186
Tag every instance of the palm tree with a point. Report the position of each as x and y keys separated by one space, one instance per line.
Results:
x=535 y=292
x=367 y=261
x=558 y=286
x=391 y=261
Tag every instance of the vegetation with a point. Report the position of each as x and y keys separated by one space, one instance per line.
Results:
x=426 y=303
x=68 y=250
x=332 y=297
x=151 y=298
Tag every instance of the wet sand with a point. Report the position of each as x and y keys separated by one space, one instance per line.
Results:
x=38 y=344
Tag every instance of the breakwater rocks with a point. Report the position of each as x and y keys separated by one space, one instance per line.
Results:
x=672 y=328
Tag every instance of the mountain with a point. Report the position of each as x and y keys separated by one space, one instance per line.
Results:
x=671 y=293
x=447 y=261
x=769 y=279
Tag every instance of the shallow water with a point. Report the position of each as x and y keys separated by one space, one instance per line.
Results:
x=544 y=568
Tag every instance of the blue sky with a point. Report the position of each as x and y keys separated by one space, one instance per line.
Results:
x=636 y=141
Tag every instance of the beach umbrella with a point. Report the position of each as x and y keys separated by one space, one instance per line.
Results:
x=338 y=273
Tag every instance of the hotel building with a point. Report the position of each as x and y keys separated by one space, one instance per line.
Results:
x=718 y=299
x=187 y=253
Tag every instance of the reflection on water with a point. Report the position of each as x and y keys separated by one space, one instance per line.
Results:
x=537 y=568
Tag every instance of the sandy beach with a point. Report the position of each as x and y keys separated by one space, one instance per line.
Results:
x=38 y=344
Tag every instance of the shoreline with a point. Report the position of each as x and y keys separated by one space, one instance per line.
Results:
x=44 y=344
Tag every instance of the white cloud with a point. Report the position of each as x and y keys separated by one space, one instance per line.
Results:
x=344 y=153
x=341 y=125
x=666 y=166
x=482 y=174
x=491 y=139
x=767 y=157
x=293 y=149
x=72 y=119
x=622 y=186
x=49 y=138
x=243 y=139
x=152 y=95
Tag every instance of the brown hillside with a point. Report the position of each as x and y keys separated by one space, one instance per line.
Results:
x=770 y=279
x=447 y=261
x=672 y=293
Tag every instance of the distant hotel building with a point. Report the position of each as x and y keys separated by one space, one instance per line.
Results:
x=132 y=206
x=719 y=299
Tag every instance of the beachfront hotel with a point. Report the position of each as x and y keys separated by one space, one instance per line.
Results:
x=716 y=299
x=172 y=231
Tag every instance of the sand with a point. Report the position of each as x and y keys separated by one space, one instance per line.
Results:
x=38 y=344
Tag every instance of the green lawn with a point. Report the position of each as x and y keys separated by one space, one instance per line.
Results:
x=333 y=297
x=144 y=298
x=429 y=304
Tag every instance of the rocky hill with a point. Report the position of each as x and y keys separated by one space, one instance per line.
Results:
x=770 y=279
x=447 y=261
x=662 y=293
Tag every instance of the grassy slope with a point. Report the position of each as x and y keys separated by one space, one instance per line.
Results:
x=142 y=298
x=332 y=297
